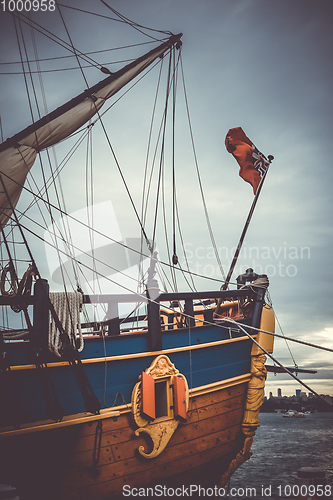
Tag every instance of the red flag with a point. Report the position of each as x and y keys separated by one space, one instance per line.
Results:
x=253 y=164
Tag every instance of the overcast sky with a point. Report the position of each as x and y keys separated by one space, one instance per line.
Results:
x=263 y=65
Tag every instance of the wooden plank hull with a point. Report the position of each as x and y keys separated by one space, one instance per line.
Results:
x=97 y=459
x=86 y=455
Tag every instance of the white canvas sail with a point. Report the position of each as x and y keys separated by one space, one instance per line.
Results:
x=18 y=154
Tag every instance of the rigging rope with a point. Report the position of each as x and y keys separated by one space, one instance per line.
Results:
x=161 y=163
x=303 y=342
x=55 y=38
x=135 y=25
x=43 y=59
x=174 y=200
x=291 y=354
x=55 y=70
x=199 y=180
x=1 y=130
x=166 y=264
x=282 y=366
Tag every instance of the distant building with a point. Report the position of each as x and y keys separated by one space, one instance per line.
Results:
x=298 y=393
x=328 y=399
x=279 y=393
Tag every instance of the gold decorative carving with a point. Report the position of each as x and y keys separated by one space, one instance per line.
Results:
x=254 y=399
x=241 y=457
x=255 y=395
x=161 y=429
x=162 y=367
x=160 y=434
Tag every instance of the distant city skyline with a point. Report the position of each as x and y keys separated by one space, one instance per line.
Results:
x=289 y=386
x=292 y=392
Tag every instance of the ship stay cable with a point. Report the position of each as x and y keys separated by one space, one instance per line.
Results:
x=191 y=286
x=161 y=161
x=74 y=68
x=291 y=354
x=55 y=39
x=27 y=61
x=199 y=180
x=74 y=50
x=90 y=399
x=240 y=326
x=170 y=88
x=147 y=183
x=27 y=88
x=253 y=340
x=125 y=183
x=108 y=140
x=1 y=130
x=123 y=19
x=36 y=138
x=39 y=115
x=85 y=131
x=303 y=342
x=175 y=210
x=134 y=25
x=102 y=275
x=44 y=59
x=166 y=264
x=281 y=365
x=259 y=283
x=84 y=253
x=192 y=317
x=87 y=85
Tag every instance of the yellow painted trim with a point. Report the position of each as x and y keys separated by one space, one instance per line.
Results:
x=116 y=411
x=79 y=418
x=217 y=386
x=267 y=323
x=137 y=354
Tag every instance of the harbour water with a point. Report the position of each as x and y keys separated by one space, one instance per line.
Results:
x=281 y=447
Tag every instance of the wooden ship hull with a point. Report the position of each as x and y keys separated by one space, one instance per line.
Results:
x=199 y=432
x=65 y=466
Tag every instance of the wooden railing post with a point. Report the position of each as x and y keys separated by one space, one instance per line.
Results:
x=154 y=326
x=189 y=311
x=40 y=315
x=113 y=319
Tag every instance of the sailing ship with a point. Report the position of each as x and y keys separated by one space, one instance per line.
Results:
x=152 y=386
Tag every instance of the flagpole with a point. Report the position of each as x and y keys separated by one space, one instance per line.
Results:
x=247 y=223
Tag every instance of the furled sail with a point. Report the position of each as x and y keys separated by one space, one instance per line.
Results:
x=17 y=154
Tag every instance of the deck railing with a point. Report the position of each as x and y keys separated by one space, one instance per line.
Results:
x=188 y=302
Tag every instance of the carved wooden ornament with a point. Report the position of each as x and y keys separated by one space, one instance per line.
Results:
x=159 y=402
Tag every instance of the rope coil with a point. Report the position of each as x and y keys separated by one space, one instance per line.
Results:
x=67 y=307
